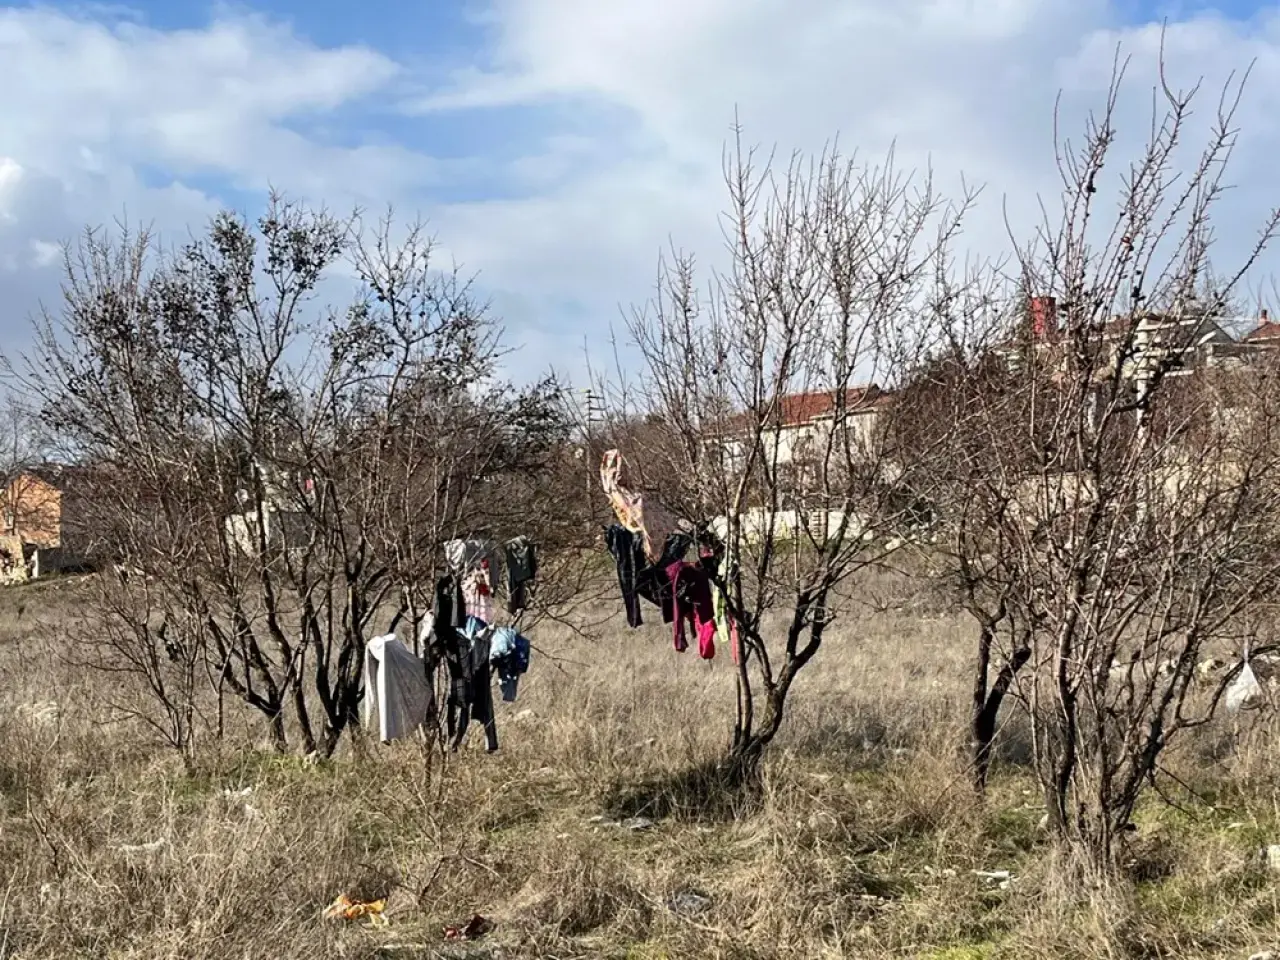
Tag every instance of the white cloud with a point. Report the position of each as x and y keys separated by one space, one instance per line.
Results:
x=10 y=183
x=107 y=119
x=45 y=253
x=966 y=86
x=624 y=109
x=193 y=100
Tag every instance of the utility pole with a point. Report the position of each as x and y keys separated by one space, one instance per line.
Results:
x=592 y=414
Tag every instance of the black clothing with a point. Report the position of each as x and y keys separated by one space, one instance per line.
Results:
x=476 y=701
x=639 y=578
x=628 y=555
x=652 y=581
x=447 y=639
x=521 y=558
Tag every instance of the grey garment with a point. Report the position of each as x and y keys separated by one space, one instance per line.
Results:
x=397 y=690
x=521 y=558
x=464 y=556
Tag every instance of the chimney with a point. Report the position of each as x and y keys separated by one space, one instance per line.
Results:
x=1044 y=316
x=1262 y=317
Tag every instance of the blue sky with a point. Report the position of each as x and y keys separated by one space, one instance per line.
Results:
x=555 y=146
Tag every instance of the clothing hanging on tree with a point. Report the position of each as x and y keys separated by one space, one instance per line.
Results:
x=638 y=578
x=509 y=655
x=465 y=555
x=449 y=616
x=397 y=689
x=712 y=558
x=473 y=698
x=641 y=514
x=477 y=591
x=653 y=582
x=450 y=609
x=628 y=557
x=691 y=590
x=726 y=625
x=521 y=559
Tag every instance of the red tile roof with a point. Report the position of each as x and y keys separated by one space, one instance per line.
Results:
x=797 y=409
x=1267 y=330
x=801 y=408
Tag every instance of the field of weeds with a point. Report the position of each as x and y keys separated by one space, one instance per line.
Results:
x=596 y=830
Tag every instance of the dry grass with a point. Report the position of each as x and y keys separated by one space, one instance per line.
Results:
x=861 y=842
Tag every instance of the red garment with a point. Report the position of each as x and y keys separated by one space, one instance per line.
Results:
x=691 y=589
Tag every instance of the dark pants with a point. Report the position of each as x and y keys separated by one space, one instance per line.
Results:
x=471 y=697
x=518 y=596
x=626 y=549
x=460 y=717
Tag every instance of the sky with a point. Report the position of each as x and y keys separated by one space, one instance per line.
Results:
x=556 y=147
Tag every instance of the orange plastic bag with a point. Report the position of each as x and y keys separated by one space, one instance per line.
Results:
x=344 y=908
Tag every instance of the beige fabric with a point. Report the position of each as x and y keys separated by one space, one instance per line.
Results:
x=643 y=515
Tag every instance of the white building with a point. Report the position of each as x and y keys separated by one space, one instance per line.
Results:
x=799 y=436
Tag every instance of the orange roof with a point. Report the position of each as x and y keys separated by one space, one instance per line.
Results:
x=801 y=408
x=1267 y=330
x=797 y=409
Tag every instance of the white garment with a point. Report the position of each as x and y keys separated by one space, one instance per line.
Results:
x=463 y=556
x=1245 y=691
x=396 y=687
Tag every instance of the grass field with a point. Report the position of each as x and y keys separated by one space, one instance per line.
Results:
x=863 y=842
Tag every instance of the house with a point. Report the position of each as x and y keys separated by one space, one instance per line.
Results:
x=1180 y=344
x=48 y=510
x=800 y=425
x=1140 y=343
x=280 y=520
x=1265 y=336
x=795 y=432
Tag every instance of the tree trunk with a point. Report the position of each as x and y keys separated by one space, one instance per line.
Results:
x=987 y=703
x=982 y=718
x=748 y=748
x=279 y=737
x=304 y=716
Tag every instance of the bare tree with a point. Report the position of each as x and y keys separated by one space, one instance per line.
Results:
x=1110 y=498
x=830 y=264
x=933 y=422
x=22 y=441
x=280 y=476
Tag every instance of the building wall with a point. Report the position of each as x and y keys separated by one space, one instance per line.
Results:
x=791 y=442
x=33 y=511
x=284 y=528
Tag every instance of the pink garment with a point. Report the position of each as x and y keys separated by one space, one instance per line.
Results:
x=478 y=593
x=691 y=592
